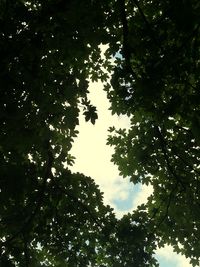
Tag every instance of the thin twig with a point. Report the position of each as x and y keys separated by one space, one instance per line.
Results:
x=164 y=150
x=65 y=192
x=125 y=32
x=168 y=205
x=26 y=253
x=185 y=162
x=147 y=24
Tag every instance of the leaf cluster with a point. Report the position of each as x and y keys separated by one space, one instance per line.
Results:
x=50 y=216
x=156 y=84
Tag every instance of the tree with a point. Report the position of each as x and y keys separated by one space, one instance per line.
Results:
x=156 y=83
x=49 y=51
x=50 y=216
x=45 y=65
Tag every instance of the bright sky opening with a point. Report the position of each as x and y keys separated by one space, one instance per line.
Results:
x=93 y=159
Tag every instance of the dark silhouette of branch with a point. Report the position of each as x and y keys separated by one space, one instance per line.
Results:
x=26 y=252
x=125 y=32
x=187 y=39
x=76 y=200
x=185 y=161
x=164 y=150
x=165 y=14
x=182 y=128
x=147 y=24
x=168 y=205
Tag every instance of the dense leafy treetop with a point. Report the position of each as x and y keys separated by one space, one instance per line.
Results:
x=48 y=215
x=156 y=83
x=49 y=51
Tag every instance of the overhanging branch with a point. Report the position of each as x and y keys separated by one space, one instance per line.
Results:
x=125 y=33
x=147 y=24
x=65 y=192
x=164 y=150
x=168 y=205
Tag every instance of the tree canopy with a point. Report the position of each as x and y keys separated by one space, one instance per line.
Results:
x=50 y=49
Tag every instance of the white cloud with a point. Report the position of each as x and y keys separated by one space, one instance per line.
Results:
x=138 y=197
x=93 y=159
x=142 y=195
x=92 y=154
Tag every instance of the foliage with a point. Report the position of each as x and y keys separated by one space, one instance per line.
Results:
x=49 y=217
x=156 y=83
x=49 y=51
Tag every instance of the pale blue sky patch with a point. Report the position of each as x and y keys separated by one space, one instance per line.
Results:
x=126 y=204
x=93 y=159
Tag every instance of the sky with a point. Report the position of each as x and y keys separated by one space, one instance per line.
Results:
x=93 y=159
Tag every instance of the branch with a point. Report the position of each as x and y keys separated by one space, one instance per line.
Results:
x=191 y=35
x=163 y=147
x=147 y=24
x=184 y=161
x=125 y=33
x=125 y=29
x=26 y=252
x=168 y=205
x=65 y=192
x=182 y=128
